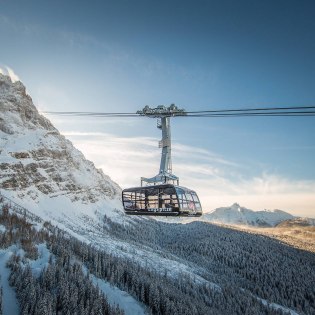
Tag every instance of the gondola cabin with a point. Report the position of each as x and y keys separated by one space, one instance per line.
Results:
x=161 y=200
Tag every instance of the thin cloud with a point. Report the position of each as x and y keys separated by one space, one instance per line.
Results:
x=267 y=191
x=200 y=153
x=218 y=181
x=108 y=137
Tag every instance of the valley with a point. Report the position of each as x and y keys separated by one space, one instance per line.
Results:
x=213 y=269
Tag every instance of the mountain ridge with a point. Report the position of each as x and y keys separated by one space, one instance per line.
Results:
x=238 y=215
x=39 y=165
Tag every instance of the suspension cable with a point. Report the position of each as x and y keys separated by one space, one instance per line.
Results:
x=240 y=112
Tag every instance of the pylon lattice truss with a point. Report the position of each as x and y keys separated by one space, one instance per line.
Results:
x=163 y=115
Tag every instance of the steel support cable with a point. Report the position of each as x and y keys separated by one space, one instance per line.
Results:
x=200 y=115
x=271 y=111
x=91 y=114
x=251 y=109
x=295 y=113
x=249 y=115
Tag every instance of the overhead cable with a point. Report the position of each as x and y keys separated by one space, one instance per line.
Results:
x=240 y=112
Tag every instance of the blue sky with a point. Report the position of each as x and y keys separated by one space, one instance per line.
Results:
x=121 y=55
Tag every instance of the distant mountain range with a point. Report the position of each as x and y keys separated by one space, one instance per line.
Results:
x=238 y=215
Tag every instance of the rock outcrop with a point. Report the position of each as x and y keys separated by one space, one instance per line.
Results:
x=35 y=159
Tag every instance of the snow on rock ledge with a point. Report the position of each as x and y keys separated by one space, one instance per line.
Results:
x=41 y=169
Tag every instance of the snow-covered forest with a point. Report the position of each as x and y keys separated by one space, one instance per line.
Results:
x=235 y=272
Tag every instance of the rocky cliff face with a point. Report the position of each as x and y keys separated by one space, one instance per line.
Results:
x=17 y=109
x=37 y=162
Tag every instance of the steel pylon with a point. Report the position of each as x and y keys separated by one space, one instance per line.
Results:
x=163 y=115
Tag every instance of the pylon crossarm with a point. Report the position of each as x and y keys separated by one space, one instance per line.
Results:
x=161 y=111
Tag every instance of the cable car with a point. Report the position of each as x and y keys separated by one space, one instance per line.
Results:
x=161 y=196
x=161 y=200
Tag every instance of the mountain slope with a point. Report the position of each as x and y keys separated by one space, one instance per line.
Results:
x=236 y=214
x=42 y=168
x=233 y=272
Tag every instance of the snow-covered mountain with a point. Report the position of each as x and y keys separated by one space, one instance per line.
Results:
x=171 y=268
x=42 y=170
x=236 y=214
